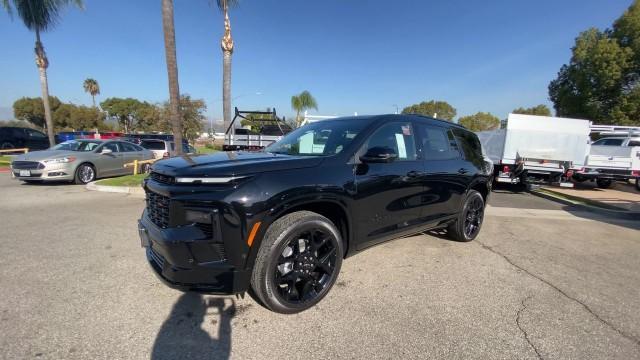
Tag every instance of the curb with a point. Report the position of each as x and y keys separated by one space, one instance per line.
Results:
x=132 y=190
x=553 y=196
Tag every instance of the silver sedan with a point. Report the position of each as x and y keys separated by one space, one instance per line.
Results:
x=80 y=161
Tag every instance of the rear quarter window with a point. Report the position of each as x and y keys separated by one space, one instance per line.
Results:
x=470 y=145
x=152 y=145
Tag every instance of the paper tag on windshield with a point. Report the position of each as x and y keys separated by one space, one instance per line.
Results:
x=402 y=149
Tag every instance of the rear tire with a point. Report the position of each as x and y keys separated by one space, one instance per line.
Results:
x=638 y=183
x=298 y=262
x=467 y=225
x=7 y=145
x=604 y=183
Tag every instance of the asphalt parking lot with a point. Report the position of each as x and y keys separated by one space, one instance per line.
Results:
x=541 y=282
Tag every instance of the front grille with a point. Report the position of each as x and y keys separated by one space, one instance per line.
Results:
x=32 y=175
x=162 y=179
x=27 y=165
x=157 y=258
x=207 y=229
x=158 y=209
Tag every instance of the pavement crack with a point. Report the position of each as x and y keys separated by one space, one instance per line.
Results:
x=563 y=293
x=524 y=332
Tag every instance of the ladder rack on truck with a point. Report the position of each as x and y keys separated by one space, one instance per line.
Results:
x=533 y=149
x=272 y=129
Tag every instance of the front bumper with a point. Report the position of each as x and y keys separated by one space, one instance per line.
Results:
x=176 y=257
x=50 y=172
x=603 y=173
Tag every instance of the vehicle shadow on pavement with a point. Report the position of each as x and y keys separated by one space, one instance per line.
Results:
x=182 y=335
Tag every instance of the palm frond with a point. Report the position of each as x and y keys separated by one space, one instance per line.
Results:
x=39 y=15
x=229 y=3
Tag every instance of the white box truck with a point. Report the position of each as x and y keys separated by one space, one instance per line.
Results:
x=533 y=149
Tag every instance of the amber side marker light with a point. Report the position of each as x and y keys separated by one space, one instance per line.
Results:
x=252 y=234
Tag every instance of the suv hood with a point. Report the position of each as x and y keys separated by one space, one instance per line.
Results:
x=232 y=164
x=43 y=155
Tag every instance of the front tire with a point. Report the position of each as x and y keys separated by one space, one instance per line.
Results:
x=85 y=173
x=467 y=225
x=298 y=262
x=604 y=183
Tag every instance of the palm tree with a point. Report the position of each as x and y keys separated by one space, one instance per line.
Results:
x=172 y=71
x=227 y=50
x=91 y=86
x=40 y=16
x=301 y=102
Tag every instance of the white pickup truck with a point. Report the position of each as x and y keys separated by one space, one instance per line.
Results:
x=610 y=159
x=271 y=129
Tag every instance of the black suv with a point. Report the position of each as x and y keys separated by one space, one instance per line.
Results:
x=18 y=137
x=279 y=222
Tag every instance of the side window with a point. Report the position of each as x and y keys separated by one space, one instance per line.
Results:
x=397 y=137
x=111 y=146
x=634 y=143
x=438 y=143
x=470 y=145
x=126 y=147
x=35 y=134
x=613 y=142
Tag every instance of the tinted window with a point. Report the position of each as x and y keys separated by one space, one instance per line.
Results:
x=152 y=145
x=470 y=145
x=609 y=142
x=126 y=147
x=634 y=143
x=35 y=134
x=438 y=143
x=396 y=136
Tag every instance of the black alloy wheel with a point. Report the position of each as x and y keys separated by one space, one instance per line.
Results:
x=305 y=266
x=473 y=217
x=298 y=262
x=469 y=221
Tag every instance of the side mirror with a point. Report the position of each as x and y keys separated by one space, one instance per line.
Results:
x=379 y=154
x=106 y=151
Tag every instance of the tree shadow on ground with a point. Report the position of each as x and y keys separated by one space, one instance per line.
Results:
x=182 y=335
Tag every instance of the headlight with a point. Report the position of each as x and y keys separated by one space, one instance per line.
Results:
x=66 y=159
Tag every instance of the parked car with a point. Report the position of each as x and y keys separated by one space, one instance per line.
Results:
x=618 y=141
x=63 y=136
x=280 y=221
x=18 y=137
x=80 y=161
x=163 y=149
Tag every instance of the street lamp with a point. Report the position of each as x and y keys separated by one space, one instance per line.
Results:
x=396 y=106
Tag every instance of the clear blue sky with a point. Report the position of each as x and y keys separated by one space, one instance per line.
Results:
x=353 y=55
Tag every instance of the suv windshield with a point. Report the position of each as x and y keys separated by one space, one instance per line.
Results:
x=74 y=145
x=322 y=138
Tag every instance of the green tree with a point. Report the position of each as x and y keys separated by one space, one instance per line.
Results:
x=480 y=122
x=192 y=116
x=440 y=109
x=540 y=110
x=39 y=16
x=172 y=71
x=593 y=82
x=227 y=50
x=74 y=118
x=301 y=102
x=124 y=111
x=92 y=87
x=32 y=110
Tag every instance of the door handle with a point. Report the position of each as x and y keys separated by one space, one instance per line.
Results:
x=462 y=171
x=414 y=174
